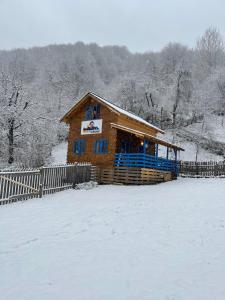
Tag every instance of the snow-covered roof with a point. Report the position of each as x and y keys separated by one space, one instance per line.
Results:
x=127 y=113
x=114 y=107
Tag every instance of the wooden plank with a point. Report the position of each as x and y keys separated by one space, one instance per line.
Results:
x=129 y=175
x=24 y=185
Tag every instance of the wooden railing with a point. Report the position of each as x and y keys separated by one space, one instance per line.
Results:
x=22 y=184
x=143 y=160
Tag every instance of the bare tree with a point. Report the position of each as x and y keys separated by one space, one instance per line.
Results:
x=210 y=49
x=182 y=93
x=13 y=105
x=221 y=89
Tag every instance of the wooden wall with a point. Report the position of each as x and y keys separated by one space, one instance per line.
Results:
x=107 y=133
x=130 y=123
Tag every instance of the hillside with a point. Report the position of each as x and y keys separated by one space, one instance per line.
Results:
x=207 y=139
x=177 y=89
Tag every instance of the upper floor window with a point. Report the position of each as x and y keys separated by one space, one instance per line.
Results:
x=79 y=147
x=101 y=146
x=92 y=112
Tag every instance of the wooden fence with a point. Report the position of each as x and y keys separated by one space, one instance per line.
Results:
x=23 y=184
x=202 y=169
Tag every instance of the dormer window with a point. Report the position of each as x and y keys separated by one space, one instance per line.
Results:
x=92 y=112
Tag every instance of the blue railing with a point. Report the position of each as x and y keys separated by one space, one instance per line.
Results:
x=143 y=160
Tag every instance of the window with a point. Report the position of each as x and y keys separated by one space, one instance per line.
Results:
x=79 y=147
x=92 y=112
x=101 y=147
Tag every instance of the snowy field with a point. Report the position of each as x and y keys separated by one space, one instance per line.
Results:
x=117 y=243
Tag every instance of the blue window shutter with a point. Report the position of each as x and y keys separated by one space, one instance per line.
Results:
x=82 y=146
x=106 y=146
x=98 y=110
x=100 y=146
x=86 y=112
x=92 y=111
x=74 y=147
x=79 y=147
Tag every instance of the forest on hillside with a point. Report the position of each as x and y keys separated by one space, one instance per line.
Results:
x=173 y=89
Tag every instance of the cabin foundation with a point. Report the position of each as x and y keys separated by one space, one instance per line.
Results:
x=133 y=176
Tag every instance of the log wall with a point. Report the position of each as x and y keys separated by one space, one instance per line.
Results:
x=107 y=133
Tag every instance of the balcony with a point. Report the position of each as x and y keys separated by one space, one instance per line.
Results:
x=143 y=160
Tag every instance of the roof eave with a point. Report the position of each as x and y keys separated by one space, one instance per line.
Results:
x=143 y=134
x=66 y=117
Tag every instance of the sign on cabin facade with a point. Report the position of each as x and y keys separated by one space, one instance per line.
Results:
x=112 y=138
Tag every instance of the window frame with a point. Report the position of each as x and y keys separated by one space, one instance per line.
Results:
x=89 y=112
x=80 y=145
x=101 y=146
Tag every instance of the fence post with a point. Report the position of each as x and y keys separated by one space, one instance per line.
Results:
x=75 y=178
x=41 y=182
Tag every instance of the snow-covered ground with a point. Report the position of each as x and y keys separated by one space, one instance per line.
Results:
x=213 y=129
x=190 y=153
x=59 y=154
x=161 y=242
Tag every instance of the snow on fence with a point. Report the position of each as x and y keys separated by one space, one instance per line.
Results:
x=202 y=169
x=23 y=184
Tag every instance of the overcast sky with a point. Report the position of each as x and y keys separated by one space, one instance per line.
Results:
x=141 y=25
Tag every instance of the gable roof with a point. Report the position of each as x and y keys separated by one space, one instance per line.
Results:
x=113 y=107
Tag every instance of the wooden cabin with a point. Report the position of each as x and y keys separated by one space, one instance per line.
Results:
x=122 y=145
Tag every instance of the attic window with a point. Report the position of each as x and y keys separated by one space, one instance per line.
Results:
x=92 y=112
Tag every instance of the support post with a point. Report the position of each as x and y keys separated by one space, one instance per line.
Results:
x=145 y=144
x=156 y=151
x=41 y=182
x=175 y=152
x=167 y=152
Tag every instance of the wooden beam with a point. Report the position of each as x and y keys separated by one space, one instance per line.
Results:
x=147 y=136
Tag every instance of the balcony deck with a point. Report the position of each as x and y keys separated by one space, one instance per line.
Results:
x=143 y=160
